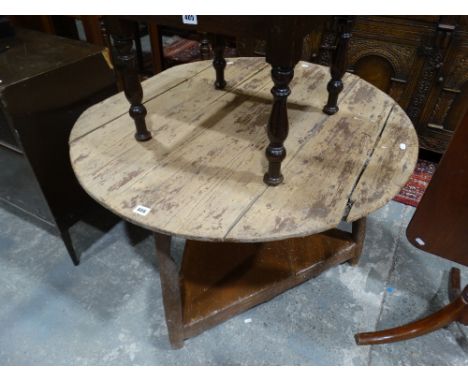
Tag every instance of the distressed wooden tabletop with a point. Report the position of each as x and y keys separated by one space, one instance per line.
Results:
x=201 y=176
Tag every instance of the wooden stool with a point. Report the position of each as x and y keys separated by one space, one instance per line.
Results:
x=284 y=36
x=201 y=178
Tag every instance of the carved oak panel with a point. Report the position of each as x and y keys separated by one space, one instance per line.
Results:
x=421 y=61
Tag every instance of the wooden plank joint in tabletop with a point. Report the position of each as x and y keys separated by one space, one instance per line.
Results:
x=350 y=202
x=389 y=167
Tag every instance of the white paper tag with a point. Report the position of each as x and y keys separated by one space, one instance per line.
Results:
x=402 y=146
x=141 y=210
x=189 y=19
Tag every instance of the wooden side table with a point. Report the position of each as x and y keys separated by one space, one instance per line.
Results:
x=201 y=178
x=284 y=36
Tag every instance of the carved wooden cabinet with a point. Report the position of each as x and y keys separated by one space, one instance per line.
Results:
x=46 y=83
x=421 y=61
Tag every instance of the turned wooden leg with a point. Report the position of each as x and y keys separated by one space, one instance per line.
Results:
x=358 y=234
x=170 y=285
x=138 y=48
x=278 y=126
x=339 y=63
x=457 y=310
x=219 y=62
x=122 y=32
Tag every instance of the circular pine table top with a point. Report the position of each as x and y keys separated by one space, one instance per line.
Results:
x=201 y=175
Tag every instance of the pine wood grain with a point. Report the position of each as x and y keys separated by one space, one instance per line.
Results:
x=389 y=168
x=201 y=174
x=116 y=106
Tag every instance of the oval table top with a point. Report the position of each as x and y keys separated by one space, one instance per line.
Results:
x=201 y=175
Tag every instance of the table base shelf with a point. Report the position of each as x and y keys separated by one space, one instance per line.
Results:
x=218 y=280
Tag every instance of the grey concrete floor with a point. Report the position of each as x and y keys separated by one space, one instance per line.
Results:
x=108 y=311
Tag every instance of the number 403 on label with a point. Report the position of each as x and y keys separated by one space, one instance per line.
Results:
x=189 y=19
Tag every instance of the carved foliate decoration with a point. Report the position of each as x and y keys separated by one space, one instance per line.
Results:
x=429 y=71
x=442 y=107
x=458 y=71
x=327 y=43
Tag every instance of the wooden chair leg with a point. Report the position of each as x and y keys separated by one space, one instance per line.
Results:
x=282 y=63
x=122 y=32
x=138 y=48
x=358 y=234
x=339 y=63
x=170 y=285
x=219 y=62
x=278 y=126
x=457 y=310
